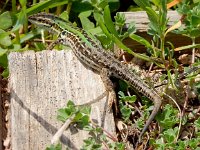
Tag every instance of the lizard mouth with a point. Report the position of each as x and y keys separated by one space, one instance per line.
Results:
x=44 y=22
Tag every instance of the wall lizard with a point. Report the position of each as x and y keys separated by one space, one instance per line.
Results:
x=90 y=52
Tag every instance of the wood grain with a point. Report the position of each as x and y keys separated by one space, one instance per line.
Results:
x=43 y=82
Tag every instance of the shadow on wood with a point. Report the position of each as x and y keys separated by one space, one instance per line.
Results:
x=43 y=82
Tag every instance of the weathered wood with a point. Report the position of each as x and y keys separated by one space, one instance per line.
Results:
x=141 y=22
x=43 y=82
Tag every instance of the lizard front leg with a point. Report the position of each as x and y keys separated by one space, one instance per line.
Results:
x=105 y=74
x=54 y=43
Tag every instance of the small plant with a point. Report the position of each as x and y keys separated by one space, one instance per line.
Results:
x=55 y=147
x=80 y=115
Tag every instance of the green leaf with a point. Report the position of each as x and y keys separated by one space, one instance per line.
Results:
x=197 y=84
x=160 y=145
x=142 y=3
x=43 y=5
x=5 y=20
x=195 y=33
x=15 y=47
x=193 y=143
x=187 y=47
x=85 y=110
x=5 y=73
x=20 y=21
x=184 y=9
x=168 y=118
x=23 y=3
x=55 y=147
x=99 y=19
x=94 y=2
x=121 y=94
x=4 y=61
x=29 y=35
x=62 y=115
x=126 y=112
x=195 y=20
x=65 y=113
x=106 y=42
x=122 y=85
x=170 y=135
x=140 y=40
x=114 y=5
x=95 y=31
x=102 y=4
x=78 y=117
x=156 y=2
x=108 y=21
x=4 y=38
x=181 y=145
x=86 y=23
x=163 y=15
x=3 y=51
x=91 y=144
x=83 y=121
x=131 y=28
x=88 y=128
x=81 y=6
x=192 y=23
x=130 y=99
x=170 y=80
x=197 y=124
x=120 y=146
x=120 y=19
x=64 y=15
x=154 y=18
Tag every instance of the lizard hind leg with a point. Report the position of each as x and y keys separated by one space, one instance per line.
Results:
x=105 y=74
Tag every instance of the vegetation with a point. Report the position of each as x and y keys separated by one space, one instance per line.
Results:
x=175 y=128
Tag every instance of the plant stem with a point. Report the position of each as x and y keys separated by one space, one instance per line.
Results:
x=58 y=10
x=162 y=47
x=69 y=5
x=193 y=50
x=14 y=10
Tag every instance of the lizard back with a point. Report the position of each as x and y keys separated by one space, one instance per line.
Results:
x=90 y=52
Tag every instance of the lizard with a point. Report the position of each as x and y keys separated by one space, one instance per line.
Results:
x=88 y=49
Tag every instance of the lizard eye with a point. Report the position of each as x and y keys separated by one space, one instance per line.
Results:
x=63 y=33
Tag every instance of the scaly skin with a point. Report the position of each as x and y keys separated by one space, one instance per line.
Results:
x=90 y=52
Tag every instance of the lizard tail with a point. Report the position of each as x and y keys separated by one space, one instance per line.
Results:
x=157 y=104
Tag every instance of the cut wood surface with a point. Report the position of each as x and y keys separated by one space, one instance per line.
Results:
x=43 y=82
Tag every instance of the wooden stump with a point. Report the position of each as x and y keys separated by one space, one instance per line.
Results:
x=43 y=82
